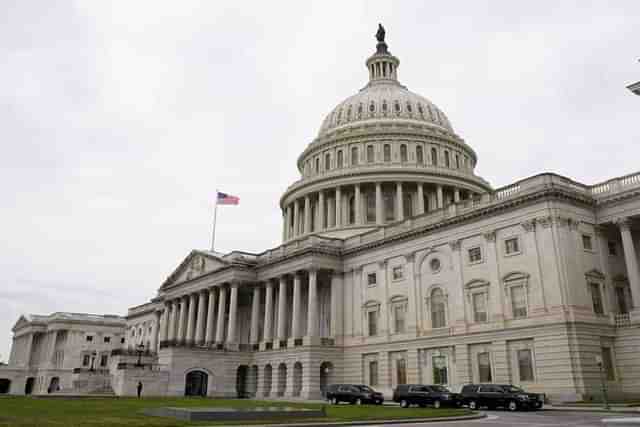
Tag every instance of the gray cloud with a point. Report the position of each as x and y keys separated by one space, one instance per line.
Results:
x=120 y=119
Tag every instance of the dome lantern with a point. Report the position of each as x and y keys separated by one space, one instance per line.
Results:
x=382 y=66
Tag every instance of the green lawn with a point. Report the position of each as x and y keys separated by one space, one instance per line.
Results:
x=23 y=411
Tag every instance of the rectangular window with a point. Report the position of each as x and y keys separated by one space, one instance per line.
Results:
x=399 y=317
x=373 y=373
x=607 y=364
x=586 y=242
x=612 y=248
x=86 y=359
x=122 y=340
x=475 y=254
x=107 y=340
x=511 y=246
x=525 y=365
x=398 y=273
x=401 y=370
x=484 y=367
x=518 y=301
x=596 y=298
x=479 y=307
x=371 y=279
x=373 y=323
x=370 y=157
x=89 y=338
x=440 y=374
x=103 y=360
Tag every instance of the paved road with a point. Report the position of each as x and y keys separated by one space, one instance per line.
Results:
x=529 y=419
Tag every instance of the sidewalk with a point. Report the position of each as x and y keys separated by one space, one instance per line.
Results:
x=595 y=408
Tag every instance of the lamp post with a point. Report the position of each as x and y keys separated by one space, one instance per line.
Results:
x=93 y=359
x=603 y=382
x=140 y=350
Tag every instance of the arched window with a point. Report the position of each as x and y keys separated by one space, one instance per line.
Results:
x=438 y=316
x=354 y=155
x=369 y=153
x=352 y=210
x=371 y=206
x=387 y=152
x=327 y=161
x=419 y=155
x=317 y=165
x=447 y=163
x=389 y=206
x=340 y=159
x=434 y=156
x=403 y=153
x=407 y=205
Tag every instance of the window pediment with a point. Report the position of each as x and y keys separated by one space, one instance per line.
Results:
x=398 y=299
x=595 y=274
x=515 y=276
x=371 y=305
x=476 y=283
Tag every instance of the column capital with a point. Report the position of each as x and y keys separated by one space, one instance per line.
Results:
x=490 y=236
x=529 y=225
x=455 y=244
x=623 y=222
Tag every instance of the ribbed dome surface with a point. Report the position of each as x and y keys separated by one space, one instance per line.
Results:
x=384 y=101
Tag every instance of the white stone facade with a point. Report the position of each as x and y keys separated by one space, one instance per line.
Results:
x=400 y=265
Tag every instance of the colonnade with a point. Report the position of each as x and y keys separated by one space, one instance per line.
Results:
x=365 y=203
x=206 y=318
x=631 y=260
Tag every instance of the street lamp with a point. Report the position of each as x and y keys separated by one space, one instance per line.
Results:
x=603 y=382
x=93 y=358
x=140 y=350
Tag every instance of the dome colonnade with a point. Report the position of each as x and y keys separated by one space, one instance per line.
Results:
x=382 y=155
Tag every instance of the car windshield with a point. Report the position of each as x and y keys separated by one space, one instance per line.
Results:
x=512 y=389
x=365 y=388
x=439 y=388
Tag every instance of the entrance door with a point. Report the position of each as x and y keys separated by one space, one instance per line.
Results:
x=5 y=385
x=196 y=383
x=28 y=388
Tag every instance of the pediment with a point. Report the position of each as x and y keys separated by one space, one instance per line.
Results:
x=20 y=323
x=196 y=264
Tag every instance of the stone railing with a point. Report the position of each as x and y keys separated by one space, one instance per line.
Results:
x=615 y=185
x=623 y=320
x=298 y=245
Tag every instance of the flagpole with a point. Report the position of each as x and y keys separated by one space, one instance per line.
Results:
x=215 y=219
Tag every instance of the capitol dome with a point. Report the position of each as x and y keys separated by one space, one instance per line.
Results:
x=382 y=155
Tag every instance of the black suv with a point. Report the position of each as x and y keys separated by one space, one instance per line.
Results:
x=423 y=395
x=500 y=395
x=353 y=393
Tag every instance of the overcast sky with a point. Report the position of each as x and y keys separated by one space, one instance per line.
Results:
x=119 y=119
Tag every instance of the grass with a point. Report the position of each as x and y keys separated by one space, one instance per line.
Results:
x=24 y=411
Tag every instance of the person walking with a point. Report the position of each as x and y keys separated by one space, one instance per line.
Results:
x=139 y=389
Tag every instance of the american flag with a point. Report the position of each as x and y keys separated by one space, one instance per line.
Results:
x=227 y=199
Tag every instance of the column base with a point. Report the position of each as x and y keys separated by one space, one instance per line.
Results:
x=265 y=345
x=311 y=340
x=232 y=346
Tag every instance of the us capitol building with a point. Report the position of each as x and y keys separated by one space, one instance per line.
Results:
x=398 y=265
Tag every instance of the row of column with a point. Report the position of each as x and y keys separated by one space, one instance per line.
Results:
x=631 y=261
x=297 y=215
x=183 y=325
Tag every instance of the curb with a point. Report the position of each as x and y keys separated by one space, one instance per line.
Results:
x=598 y=410
x=475 y=416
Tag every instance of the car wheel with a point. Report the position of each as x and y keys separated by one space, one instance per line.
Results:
x=512 y=405
x=358 y=401
x=437 y=404
x=334 y=401
x=404 y=403
x=473 y=405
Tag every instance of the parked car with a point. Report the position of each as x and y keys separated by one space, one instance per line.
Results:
x=423 y=395
x=356 y=394
x=500 y=395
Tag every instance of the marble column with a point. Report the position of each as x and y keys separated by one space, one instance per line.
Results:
x=379 y=206
x=209 y=338
x=284 y=225
x=336 y=304
x=268 y=313
x=456 y=195
x=222 y=305
x=233 y=315
x=322 y=211
x=282 y=309
x=631 y=261
x=289 y=214
x=182 y=324
x=191 y=320
x=200 y=320
x=155 y=328
x=297 y=303
x=421 y=208
x=399 y=204
x=171 y=333
x=164 y=329
x=255 y=313
x=338 y=207
x=307 y=215
x=357 y=202
x=439 y=196
x=296 y=218
x=312 y=314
